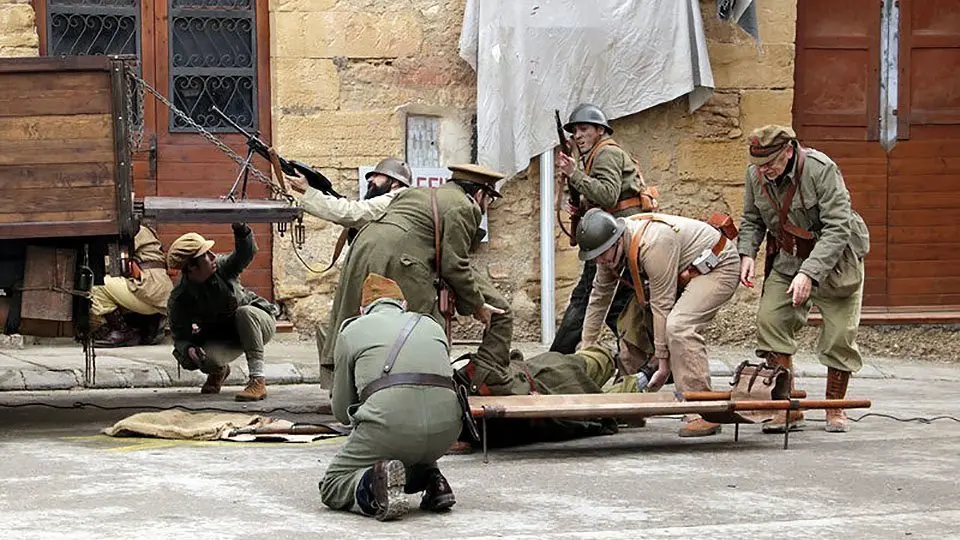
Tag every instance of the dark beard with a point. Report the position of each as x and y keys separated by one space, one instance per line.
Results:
x=375 y=191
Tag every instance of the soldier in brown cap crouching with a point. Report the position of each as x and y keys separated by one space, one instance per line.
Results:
x=796 y=198
x=213 y=318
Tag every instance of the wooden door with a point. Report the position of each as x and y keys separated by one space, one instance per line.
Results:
x=924 y=173
x=835 y=110
x=197 y=53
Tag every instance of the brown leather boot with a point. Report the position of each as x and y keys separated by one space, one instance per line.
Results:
x=255 y=391
x=460 y=447
x=779 y=422
x=215 y=380
x=837 y=389
x=695 y=426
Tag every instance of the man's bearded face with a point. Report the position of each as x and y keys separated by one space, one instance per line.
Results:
x=378 y=185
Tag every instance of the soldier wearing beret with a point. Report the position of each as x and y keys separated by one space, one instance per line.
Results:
x=425 y=236
x=213 y=318
x=394 y=386
x=796 y=200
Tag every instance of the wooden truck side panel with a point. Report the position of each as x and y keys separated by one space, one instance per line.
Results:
x=64 y=167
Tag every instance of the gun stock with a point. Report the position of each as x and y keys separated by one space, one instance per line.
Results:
x=315 y=178
x=574 y=196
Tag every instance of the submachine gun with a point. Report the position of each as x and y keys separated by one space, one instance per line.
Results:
x=314 y=178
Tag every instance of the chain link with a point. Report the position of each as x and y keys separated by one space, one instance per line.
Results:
x=276 y=191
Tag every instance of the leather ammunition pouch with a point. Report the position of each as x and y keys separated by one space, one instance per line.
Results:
x=709 y=260
x=754 y=382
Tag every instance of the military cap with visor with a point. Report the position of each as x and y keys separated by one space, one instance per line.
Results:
x=767 y=142
x=477 y=174
x=189 y=246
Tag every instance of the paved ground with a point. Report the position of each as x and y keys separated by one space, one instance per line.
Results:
x=294 y=361
x=885 y=479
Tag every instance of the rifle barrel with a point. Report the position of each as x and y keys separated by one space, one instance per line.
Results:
x=229 y=121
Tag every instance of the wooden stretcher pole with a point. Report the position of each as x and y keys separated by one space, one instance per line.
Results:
x=784 y=404
x=715 y=396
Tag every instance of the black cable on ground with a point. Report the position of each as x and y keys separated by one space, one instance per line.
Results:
x=81 y=405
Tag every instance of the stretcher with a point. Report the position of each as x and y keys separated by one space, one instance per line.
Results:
x=712 y=406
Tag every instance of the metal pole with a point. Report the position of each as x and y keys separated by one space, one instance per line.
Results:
x=548 y=304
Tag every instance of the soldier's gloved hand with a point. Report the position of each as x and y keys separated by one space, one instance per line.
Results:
x=241 y=229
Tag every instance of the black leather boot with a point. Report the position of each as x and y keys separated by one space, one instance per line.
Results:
x=120 y=334
x=438 y=497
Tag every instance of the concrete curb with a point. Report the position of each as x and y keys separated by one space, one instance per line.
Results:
x=140 y=376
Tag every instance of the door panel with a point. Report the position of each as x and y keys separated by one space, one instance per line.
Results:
x=924 y=171
x=212 y=53
x=836 y=100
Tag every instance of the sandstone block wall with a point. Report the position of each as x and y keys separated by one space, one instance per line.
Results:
x=18 y=30
x=345 y=72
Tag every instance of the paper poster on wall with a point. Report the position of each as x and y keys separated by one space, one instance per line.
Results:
x=422 y=177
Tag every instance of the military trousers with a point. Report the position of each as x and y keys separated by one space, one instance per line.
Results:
x=254 y=329
x=570 y=329
x=113 y=294
x=778 y=322
x=600 y=369
x=492 y=359
x=369 y=442
x=696 y=308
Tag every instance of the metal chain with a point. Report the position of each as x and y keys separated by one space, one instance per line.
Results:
x=135 y=115
x=276 y=191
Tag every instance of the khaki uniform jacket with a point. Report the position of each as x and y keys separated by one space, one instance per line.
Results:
x=666 y=249
x=212 y=304
x=345 y=212
x=362 y=348
x=400 y=245
x=154 y=285
x=613 y=177
x=823 y=209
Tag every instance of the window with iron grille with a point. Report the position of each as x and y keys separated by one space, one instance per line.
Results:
x=93 y=27
x=213 y=62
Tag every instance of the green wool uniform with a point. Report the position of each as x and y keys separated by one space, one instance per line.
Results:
x=230 y=320
x=414 y=424
x=607 y=176
x=400 y=245
x=584 y=372
x=821 y=205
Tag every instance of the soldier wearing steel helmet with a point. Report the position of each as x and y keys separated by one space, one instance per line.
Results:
x=690 y=269
x=606 y=177
x=390 y=177
x=401 y=245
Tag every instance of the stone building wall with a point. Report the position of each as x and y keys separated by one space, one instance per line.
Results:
x=345 y=72
x=18 y=30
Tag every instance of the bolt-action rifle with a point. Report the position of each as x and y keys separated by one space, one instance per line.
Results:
x=567 y=148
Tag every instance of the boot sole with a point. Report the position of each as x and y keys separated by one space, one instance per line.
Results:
x=705 y=433
x=441 y=503
x=796 y=426
x=395 y=479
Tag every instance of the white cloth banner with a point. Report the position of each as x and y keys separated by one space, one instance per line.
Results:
x=533 y=57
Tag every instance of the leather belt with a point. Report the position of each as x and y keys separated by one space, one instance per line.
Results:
x=147 y=265
x=406 y=379
x=624 y=204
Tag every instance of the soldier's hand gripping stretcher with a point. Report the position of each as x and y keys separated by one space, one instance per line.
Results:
x=485 y=313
